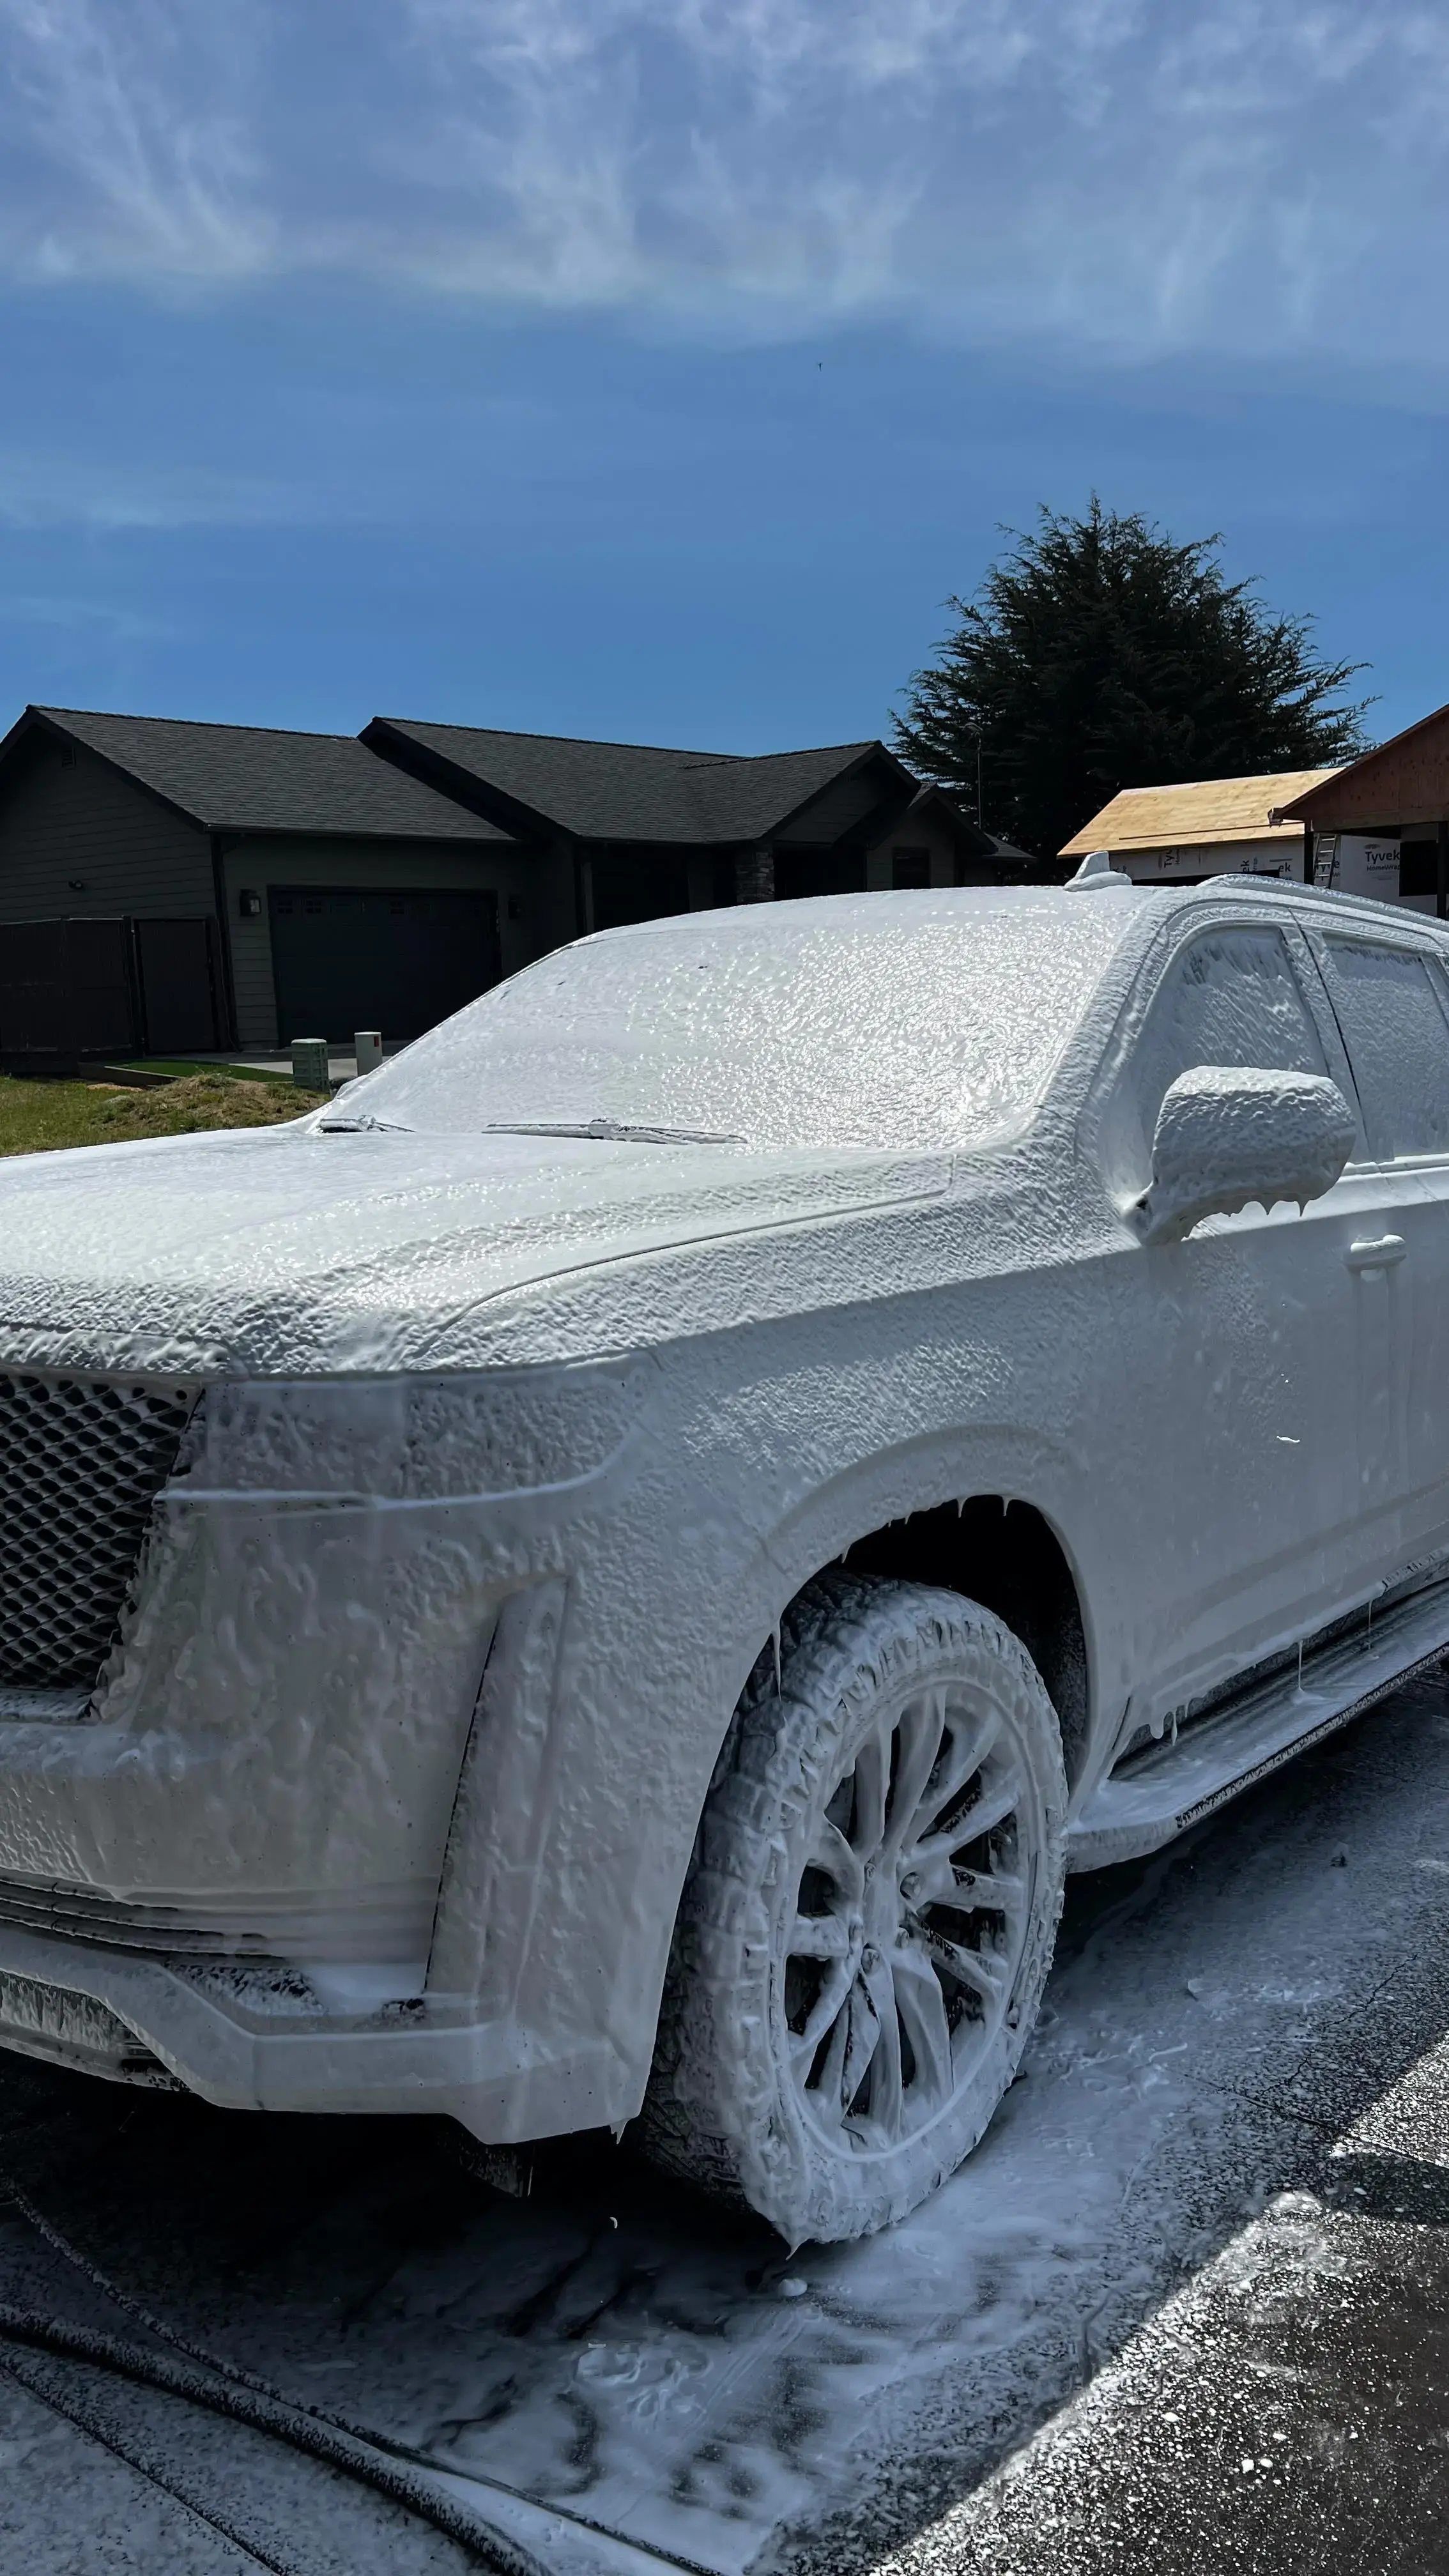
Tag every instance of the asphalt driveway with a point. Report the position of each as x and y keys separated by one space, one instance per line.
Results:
x=1188 y=2307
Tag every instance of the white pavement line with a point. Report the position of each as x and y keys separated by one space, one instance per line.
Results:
x=1168 y=2352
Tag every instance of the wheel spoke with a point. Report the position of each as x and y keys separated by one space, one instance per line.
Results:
x=819 y=1936
x=887 y=2096
x=828 y=2007
x=923 y=2011
x=970 y=1743
x=992 y=1808
x=872 y=1778
x=997 y=1891
x=832 y=1854
x=825 y=2091
x=937 y=1880
x=865 y=2030
x=982 y=1970
x=918 y=1732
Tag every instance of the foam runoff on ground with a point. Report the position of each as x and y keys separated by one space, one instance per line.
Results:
x=1253 y=2014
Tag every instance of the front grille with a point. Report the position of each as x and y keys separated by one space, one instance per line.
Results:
x=81 y=1465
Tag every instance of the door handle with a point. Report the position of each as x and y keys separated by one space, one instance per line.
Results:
x=1380 y=1255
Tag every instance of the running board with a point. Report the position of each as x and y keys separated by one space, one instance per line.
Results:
x=1168 y=1787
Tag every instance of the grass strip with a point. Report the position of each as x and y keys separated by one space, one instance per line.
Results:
x=177 y=1067
x=42 y=1117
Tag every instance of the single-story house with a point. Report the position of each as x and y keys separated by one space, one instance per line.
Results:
x=1209 y=827
x=644 y=831
x=175 y=888
x=1381 y=824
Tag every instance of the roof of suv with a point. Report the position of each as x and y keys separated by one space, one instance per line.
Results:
x=1327 y=904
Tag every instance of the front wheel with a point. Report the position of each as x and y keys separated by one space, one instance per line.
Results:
x=869 y=1915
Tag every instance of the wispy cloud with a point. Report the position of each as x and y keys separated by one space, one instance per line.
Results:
x=133 y=138
x=1132 y=174
x=69 y=617
x=45 y=489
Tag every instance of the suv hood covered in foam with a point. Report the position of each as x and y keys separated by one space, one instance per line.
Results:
x=289 y=1250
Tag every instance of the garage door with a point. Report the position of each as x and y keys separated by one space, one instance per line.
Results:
x=396 y=962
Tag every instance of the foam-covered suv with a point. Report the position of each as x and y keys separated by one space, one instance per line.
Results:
x=608 y=1575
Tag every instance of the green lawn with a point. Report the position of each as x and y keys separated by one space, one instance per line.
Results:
x=36 y=1116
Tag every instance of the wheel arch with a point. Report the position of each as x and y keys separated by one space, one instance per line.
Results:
x=991 y=1520
x=1006 y=1554
x=987 y=1524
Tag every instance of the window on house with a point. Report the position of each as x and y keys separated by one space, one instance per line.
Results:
x=910 y=868
x=1418 y=867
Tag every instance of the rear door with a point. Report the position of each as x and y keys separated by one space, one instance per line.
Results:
x=1391 y=1001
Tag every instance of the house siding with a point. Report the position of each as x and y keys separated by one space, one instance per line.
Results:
x=1277 y=853
x=535 y=901
x=134 y=855
x=921 y=832
x=839 y=808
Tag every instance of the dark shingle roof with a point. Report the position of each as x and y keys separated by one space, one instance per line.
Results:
x=624 y=791
x=248 y=778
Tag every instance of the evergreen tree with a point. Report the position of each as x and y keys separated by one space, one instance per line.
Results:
x=1101 y=654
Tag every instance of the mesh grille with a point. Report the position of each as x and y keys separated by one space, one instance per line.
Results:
x=80 y=1467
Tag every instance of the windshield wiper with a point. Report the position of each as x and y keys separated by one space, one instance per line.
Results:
x=365 y=1125
x=610 y=1131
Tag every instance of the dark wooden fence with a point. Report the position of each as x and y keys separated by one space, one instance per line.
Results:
x=76 y=991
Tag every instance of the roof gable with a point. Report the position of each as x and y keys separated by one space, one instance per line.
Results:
x=251 y=778
x=1199 y=811
x=1403 y=780
x=618 y=791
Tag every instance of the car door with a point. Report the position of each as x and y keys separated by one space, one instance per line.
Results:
x=1241 y=1504
x=1391 y=1001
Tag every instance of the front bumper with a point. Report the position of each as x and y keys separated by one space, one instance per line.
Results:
x=249 y=2040
x=263 y=1862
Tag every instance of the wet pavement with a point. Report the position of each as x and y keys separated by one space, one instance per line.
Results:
x=1188 y=2307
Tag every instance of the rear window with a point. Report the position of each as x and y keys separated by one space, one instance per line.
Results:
x=906 y=1021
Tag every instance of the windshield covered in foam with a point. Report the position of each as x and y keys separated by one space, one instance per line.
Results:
x=905 y=1021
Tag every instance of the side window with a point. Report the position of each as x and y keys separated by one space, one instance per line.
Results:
x=1231 y=997
x=1388 y=1007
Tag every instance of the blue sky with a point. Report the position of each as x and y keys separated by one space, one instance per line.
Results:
x=656 y=367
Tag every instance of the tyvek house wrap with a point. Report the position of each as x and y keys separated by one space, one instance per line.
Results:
x=576 y=1413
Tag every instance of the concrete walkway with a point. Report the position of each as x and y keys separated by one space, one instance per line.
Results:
x=341 y=1062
